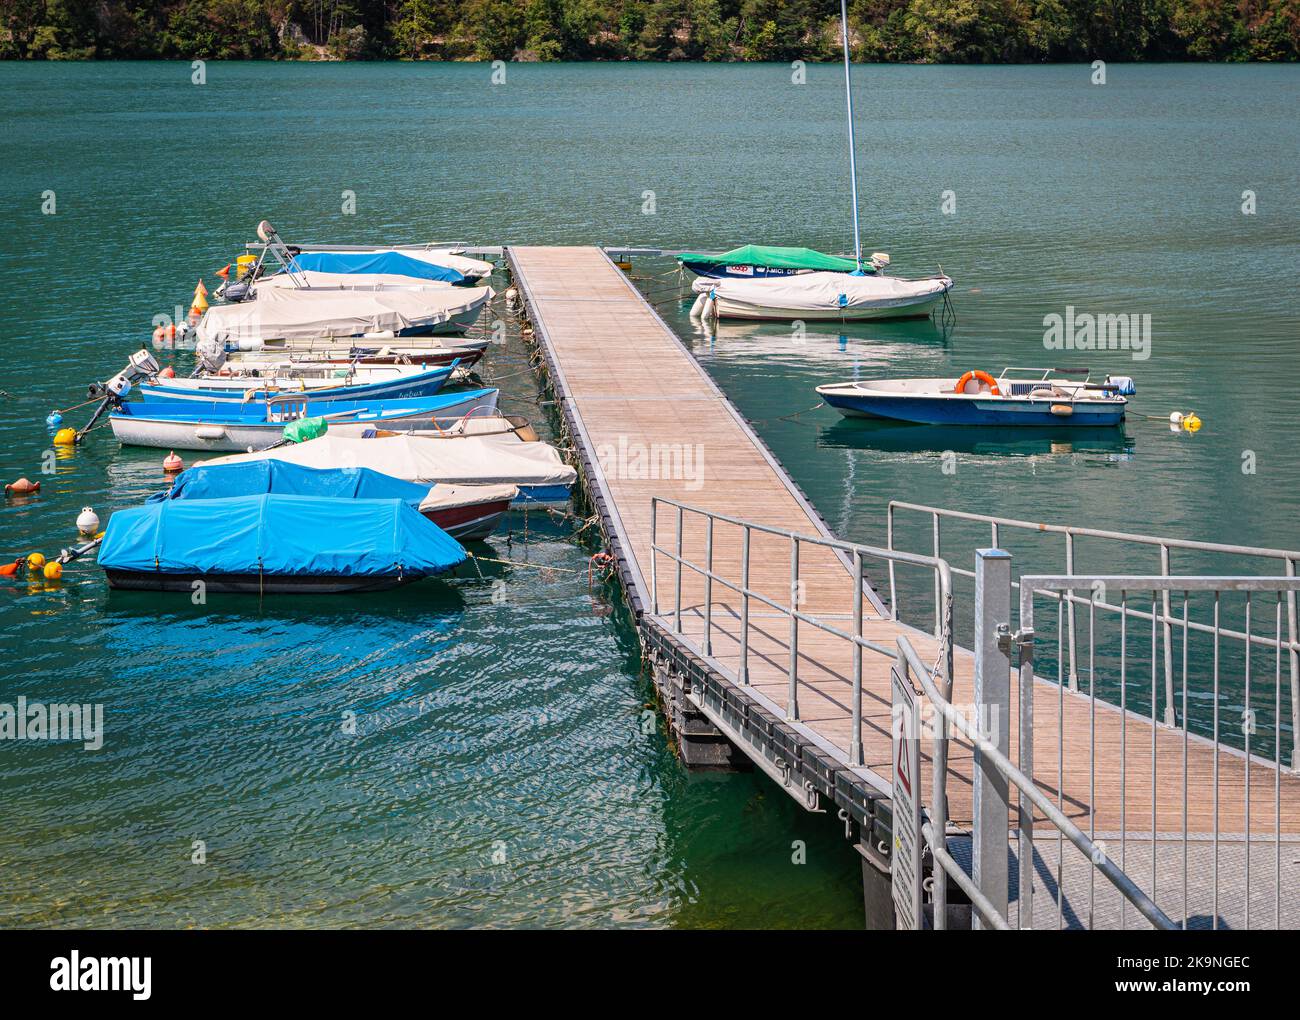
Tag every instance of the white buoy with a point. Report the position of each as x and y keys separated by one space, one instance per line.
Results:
x=1176 y=418
x=88 y=521
x=697 y=309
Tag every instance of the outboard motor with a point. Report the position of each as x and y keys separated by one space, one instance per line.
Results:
x=141 y=366
x=211 y=354
x=879 y=261
x=1122 y=384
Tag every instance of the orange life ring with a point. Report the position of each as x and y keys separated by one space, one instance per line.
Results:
x=983 y=377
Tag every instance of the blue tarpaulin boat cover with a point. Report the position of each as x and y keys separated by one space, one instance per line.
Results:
x=278 y=535
x=387 y=263
x=254 y=477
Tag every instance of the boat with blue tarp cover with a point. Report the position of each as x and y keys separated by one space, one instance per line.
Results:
x=224 y=425
x=375 y=263
x=273 y=543
x=463 y=511
x=241 y=390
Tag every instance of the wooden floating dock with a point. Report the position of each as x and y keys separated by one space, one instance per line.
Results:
x=633 y=398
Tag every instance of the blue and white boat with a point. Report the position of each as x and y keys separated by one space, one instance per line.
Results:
x=272 y=543
x=977 y=398
x=238 y=389
x=225 y=426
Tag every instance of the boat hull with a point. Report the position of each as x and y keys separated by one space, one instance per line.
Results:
x=739 y=272
x=971 y=411
x=469 y=523
x=903 y=308
x=236 y=390
x=228 y=435
x=253 y=584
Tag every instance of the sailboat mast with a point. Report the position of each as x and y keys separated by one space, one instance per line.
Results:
x=853 y=158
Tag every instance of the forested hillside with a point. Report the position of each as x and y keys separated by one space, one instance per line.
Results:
x=952 y=31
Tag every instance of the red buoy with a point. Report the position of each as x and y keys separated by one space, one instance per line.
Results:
x=23 y=487
x=172 y=463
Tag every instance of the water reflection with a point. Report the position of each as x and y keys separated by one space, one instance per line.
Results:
x=1017 y=441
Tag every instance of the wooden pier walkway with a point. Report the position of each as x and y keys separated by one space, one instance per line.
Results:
x=648 y=421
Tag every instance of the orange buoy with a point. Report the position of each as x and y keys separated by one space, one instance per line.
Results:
x=167 y=373
x=160 y=333
x=9 y=569
x=22 y=487
x=983 y=377
x=53 y=571
x=172 y=463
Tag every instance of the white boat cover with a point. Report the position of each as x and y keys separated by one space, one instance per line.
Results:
x=287 y=314
x=475 y=269
x=443 y=497
x=821 y=292
x=345 y=281
x=473 y=460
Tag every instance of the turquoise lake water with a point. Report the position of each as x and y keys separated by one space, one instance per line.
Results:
x=506 y=768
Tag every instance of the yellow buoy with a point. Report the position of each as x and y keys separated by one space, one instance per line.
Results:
x=65 y=437
x=53 y=571
x=1191 y=423
x=35 y=562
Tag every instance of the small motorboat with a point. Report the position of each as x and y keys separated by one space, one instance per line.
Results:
x=977 y=398
x=535 y=467
x=463 y=511
x=822 y=295
x=760 y=262
x=223 y=425
x=272 y=543
x=379 y=352
x=392 y=384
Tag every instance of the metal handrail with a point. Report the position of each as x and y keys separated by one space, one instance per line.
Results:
x=1040 y=584
x=944 y=864
x=857 y=551
x=1289 y=558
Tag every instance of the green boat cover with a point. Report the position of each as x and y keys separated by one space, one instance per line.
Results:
x=304 y=429
x=777 y=258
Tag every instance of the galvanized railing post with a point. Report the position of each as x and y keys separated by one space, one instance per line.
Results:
x=855 y=745
x=654 y=557
x=938 y=612
x=1025 y=740
x=1295 y=670
x=889 y=544
x=1069 y=603
x=792 y=692
x=990 y=802
x=679 y=571
x=1171 y=719
x=708 y=587
x=743 y=671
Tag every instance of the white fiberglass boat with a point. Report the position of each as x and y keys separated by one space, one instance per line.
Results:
x=290 y=314
x=813 y=296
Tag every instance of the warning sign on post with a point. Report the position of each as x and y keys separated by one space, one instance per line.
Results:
x=905 y=864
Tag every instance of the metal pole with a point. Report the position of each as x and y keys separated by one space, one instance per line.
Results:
x=1069 y=569
x=990 y=810
x=792 y=693
x=853 y=158
x=1025 y=738
x=1170 y=718
x=1295 y=670
x=654 y=557
x=708 y=589
x=855 y=747
x=938 y=611
x=889 y=544
x=679 y=570
x=744 y=607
